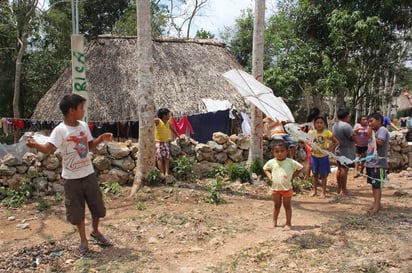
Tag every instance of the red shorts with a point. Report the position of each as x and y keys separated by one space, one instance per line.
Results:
x=287 y=193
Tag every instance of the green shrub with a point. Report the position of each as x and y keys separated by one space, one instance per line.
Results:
x=153 y=177
x=141 y=206
x=183 y=168
x=257 y=167
x=217 y=171
x=16 y=198
x=299 y=185
x=9 y=140
x=58 y=197
x=114 y=187
x=214 y=196
x=238 y=171
x=43 y=205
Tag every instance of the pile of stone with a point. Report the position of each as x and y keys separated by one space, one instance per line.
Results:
x=115 y=162
x=398 y=152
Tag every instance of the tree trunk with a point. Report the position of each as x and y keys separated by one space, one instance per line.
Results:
x=17 y=80
x=146 y=108
x=256 y=139
x=23 y=23
x=17 y=77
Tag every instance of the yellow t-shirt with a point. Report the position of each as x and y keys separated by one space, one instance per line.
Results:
x=322 y=140
x=162 y=131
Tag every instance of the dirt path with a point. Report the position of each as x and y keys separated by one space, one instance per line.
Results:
x=172 y=229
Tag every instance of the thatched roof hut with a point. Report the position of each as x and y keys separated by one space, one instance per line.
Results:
x=185 y=72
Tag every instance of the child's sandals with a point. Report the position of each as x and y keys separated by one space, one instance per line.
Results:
x=80 y=252
x=101 y=240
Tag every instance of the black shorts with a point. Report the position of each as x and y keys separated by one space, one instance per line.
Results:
x=346 y=166
x=361 y=150
x=78 y=192
x=376 y=176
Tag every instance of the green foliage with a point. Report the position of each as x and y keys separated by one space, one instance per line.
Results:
x=153 y=177
x=300 y=185
x=214 y=196
x=183 y=168
x=217 y=171
x=16 y=198
x=126 y=25
x=257 y=167
x=141 y=206
x=43 y=205
x=238 y=171
x=99 y=16
x=240 y=38
x=114 y=188
x=58 y=197
x=7 y=139
x=204 y=34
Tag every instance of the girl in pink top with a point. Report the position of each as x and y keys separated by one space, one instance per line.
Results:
x=361 y=131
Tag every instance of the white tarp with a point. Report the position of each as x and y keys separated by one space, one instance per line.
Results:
x=216 y=105
x=259 y=94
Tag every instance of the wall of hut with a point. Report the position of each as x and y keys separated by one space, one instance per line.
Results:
x=115 y=162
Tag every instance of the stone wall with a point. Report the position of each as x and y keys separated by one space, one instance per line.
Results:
x=115 y=162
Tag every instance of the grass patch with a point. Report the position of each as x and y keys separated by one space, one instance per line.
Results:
x=310 y=241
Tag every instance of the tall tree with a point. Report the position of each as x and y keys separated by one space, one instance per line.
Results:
x=146 y=108
x=182 y=13
x=256 y=139
x=126 y=25
x=7 y=63
x=24 y=13
x=99 y=16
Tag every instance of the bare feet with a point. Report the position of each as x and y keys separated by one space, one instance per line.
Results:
x=322 y=196
x=287 y=227
x=275 y=224
x=373 y=211
x=313 y=193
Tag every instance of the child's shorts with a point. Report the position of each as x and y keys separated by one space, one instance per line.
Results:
x=320 y=165
x=361 y=150
x=162 y=150
x=287 y=193
x=77 y=193
x=376 y=176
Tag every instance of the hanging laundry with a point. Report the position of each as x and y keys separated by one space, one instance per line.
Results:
x=206 y=124
x=183 y=126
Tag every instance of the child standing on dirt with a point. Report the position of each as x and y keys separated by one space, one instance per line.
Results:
x=163 y=135
x=281 y=171
x=320 y=161
x=376 y=167
x=361 y=131
x=73 y=139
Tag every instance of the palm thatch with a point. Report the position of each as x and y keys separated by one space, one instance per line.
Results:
x=402 y=103
x=185 y=71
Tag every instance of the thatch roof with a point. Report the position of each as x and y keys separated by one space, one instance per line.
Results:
x=185 y=71
x=402 y=103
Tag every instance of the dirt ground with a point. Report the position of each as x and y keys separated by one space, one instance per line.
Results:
x=170 y=228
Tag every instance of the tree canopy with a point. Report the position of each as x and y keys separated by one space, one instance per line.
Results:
x=326 y=53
